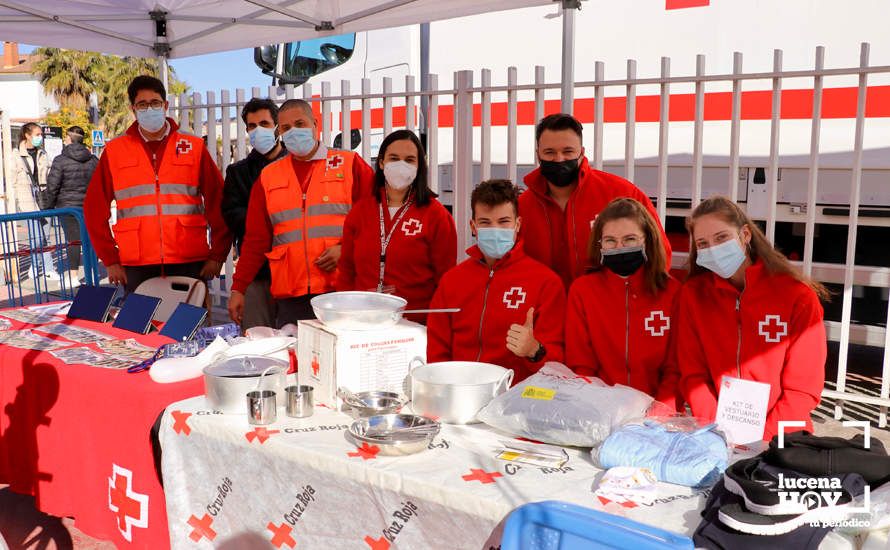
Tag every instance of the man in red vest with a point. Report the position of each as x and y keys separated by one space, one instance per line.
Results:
x=564 y=196
x=167 y=192
x=295 y=217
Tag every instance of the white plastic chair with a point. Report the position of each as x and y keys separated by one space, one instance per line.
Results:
x=172 y=291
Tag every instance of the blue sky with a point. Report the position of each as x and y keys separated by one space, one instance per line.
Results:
x=226 y=70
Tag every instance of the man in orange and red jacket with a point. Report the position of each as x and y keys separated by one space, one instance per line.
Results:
x=167 y=192
x=295 y=217
x=512 y=308
x=565 y=195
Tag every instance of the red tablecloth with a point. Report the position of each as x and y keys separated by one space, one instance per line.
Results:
x=77 y=438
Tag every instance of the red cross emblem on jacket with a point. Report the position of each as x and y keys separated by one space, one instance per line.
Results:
x=514 y=297
x=183 y=146
x=772 y=328
x=657 y=323
x=411 y=227
x=130 y=508
x=335 y=162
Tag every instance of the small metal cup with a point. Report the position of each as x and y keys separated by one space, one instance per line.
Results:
x=261 y=407
x=300 y=403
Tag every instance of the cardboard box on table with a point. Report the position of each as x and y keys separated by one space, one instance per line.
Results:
x=360 y=360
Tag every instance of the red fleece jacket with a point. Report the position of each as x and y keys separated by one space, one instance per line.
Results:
x=422 y=248
x=557 y=238
x=490 y=300
x=617 y=330
x=771 y=332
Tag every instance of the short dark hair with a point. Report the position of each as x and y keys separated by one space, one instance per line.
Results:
x=493 y=193
x=260 y=104
x=75 y=134
x=558 y=122
x=145 y=82
x=301 y=103
x=420 y=186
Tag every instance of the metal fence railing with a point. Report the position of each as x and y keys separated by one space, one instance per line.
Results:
x=43 y=254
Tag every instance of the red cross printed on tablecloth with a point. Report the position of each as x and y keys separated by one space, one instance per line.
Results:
x=335 y=162
x=201 y=528
x=367 y=452
x=657 y=323
x=377 y=544
x=183 y=146
x=772 y=328
x=261 y=434
x=180 y=424
x=625 y=504
x=514 y=297
x=411 y=227
x=130 y=508
x=281 y=535
x=481 y=475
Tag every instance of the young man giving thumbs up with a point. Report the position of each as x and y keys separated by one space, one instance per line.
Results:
x=512 y=308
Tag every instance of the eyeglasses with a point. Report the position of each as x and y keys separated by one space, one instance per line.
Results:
x=609 y=243
x=145 y=105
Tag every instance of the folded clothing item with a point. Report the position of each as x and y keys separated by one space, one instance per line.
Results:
x=806 y=506
x=622 y=484
x=822 y=456
x=713 y=534
x=695 y=458
x=556 y=406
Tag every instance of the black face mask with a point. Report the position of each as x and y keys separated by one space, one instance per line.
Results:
x=624 y=261
x=560 y=174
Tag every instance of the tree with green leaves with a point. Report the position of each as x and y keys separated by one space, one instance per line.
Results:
x=70 y=76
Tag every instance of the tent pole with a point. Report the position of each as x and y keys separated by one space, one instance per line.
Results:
x=568 y=54
x=164 y=71
x=424 y=75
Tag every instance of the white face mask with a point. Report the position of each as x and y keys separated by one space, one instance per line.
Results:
x=399 y=174
x=723 y=259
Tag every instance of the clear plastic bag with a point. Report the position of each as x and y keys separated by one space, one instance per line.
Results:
x=556 y=406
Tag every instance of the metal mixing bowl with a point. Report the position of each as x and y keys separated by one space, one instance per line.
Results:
x=391 y=442
x=376 y=403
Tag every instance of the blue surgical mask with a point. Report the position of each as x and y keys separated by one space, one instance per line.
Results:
x=263 y=139
x=37 y=141
x=723 y=259
x=151 y=120
x=299 y=141
x=495 y=242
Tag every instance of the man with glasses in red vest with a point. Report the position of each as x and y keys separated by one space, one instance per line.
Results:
x=167 y=192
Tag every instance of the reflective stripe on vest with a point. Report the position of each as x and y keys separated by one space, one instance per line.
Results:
x=286 y=215
x=328 y=208
x=313 y=233
x=149 y=189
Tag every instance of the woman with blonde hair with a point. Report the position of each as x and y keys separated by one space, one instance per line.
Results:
x=746 y=312
x=618 y=320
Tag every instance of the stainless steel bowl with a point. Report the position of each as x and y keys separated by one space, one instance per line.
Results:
x=382 y=431
x=356 y=310
x=376 y=403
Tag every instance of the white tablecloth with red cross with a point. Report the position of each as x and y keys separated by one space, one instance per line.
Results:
x=303 y=483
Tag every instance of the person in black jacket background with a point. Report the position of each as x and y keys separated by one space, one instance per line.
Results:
x=261 y=118
x=66 y=185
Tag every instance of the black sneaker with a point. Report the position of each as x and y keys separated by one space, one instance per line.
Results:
x=831 y=503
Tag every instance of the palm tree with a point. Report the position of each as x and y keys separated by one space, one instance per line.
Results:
x=69 y=75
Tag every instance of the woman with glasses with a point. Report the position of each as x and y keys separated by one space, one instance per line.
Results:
x=619 y=316
x=746 y=312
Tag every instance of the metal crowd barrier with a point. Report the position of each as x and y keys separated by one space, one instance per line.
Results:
x=40 y=253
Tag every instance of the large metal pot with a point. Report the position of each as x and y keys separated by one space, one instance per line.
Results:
x=227 y=381
x=453 y=392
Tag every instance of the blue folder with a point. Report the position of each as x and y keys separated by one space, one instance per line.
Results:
x=92 y=303
x=137 y=312
x=184 y=322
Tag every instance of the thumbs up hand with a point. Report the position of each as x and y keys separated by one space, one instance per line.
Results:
x=521 y=338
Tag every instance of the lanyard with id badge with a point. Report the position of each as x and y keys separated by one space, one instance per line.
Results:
x=385 y=237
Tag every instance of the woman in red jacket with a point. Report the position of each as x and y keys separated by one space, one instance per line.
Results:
x=618 y=320
x=745 y=312
x=400 y=239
